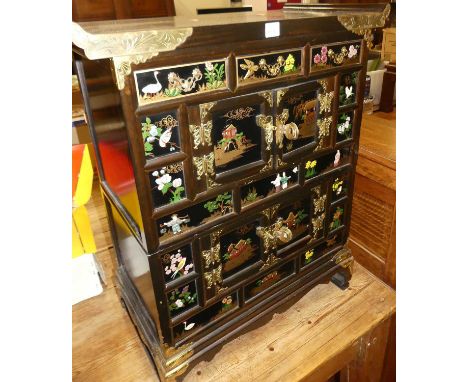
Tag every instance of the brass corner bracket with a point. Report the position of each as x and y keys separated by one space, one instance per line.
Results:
x=344 y=258
x=127 y=48
x=363 y=24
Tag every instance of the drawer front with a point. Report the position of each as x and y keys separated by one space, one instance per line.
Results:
x=260 y=68
x=325 y=57
x=168 y=83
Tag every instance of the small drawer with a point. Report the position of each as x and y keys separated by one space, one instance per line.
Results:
x=166 y=83
x=335 y=55
x=266 y=67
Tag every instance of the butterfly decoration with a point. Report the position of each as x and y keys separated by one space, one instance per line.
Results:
x=204 y=165
x=211 y=256
x=348 y=91
x=250 y=67
x=325 y=101
x=213 y=277
x=201 y=134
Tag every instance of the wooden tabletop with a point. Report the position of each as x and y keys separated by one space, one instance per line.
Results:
x=315 y=337
x=378 y=138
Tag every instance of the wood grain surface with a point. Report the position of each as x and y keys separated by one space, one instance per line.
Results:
x=320 y=334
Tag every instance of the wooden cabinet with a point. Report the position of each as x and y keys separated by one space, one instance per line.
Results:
x=373 y=227
x=226 y=160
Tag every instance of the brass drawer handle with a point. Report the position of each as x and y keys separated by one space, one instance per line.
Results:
x=277 y=231
x=266 y=123
x=281 y=130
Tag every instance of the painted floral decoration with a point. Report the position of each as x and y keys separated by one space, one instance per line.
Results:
x=222 y=203
x=352 y=51
x=330 y=56
x=289 y=64
x=252 y=195
x=337 y=218
x=227 y=302
x=177 y=85
x=179 y=299
x=160 y=131
x=337 y=186
x=165 y=184
x=347 y=89
x=322 y=57
x=178 y=266
x=308 y=256
x=344 y=127
x=214 y=75
x=310 y=168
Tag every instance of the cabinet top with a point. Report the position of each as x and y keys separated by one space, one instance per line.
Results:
x=117 y=38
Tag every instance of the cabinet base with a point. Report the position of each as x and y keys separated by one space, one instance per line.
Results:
x=172 y=363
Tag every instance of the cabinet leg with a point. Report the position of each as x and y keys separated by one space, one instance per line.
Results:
x=341 y=278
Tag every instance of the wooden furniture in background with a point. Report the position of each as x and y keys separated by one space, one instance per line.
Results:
x=373 y=226
x=388 y=89
x=372 y=234
x=325 y=331
x=93 y=10
x=388 y=52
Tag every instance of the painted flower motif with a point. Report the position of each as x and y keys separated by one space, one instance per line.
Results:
x=227 y=300
x=310 y=164
x=344 y=127
x=167 y=270
x=177 y=182
x=150 y=139
x=352 y=51
x=324 y=50
x=196 y=72
x=153 y=131
x=166 y=178
x=155 y=173
x=295 y=169
x=209 y=66
x=324 y=58
x=337 y=186
x=179 y=303
x=187 y=268
x=171 y=76
x=308 y=256
x=317 y=59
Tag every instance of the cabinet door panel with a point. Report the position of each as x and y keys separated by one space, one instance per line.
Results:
x=296 y=116
x=229 y=253
x=303 y=118
x=227 y=142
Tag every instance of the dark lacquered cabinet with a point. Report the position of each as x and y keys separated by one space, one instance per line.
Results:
x=226 y=153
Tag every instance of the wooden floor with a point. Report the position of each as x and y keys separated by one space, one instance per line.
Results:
x=318 y=335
